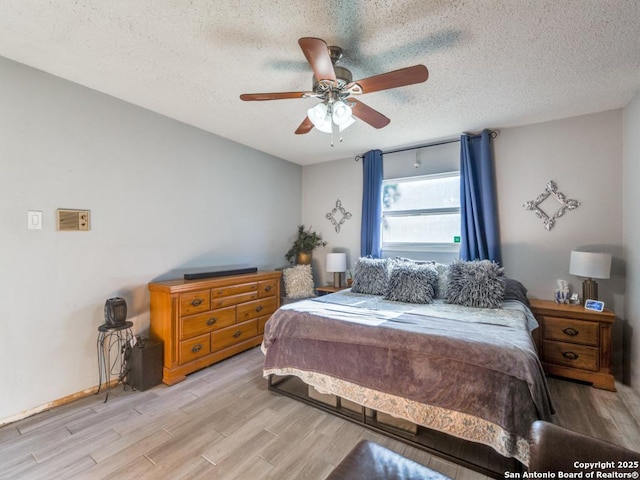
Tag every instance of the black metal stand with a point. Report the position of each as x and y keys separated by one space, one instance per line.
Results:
x=113 y=347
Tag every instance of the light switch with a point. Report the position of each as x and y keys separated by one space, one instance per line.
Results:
x=34 y=219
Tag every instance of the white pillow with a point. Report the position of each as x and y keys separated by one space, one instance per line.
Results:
x=298 y=281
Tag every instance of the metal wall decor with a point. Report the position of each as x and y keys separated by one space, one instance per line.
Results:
x=344 y=216
x=551 y=190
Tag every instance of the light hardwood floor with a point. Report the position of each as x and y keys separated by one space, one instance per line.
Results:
x=223 y=423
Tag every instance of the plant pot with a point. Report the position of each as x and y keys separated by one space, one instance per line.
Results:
x=303 y=258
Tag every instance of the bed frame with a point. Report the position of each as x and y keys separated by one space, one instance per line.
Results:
x=478 y=457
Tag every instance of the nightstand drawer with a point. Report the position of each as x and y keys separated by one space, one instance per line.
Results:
x=570 y=355
x=572 y=331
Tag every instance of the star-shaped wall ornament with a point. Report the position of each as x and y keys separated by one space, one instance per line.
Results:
x=551 y=190
x=344 y=216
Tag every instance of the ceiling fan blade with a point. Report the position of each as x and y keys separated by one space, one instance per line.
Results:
x=305 y=126
x=318 y=57
x=368 y=114
x=397 y=78
x=273 y=96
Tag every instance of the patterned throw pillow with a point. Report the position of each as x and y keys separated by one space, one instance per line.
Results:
x=478 y=283
x=371 y=275
x=298 y=281
x=412 y=283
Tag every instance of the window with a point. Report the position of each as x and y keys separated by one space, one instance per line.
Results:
x=421 y=213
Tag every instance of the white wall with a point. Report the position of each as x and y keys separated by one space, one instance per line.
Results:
x=631 y=239
x=583 y=155
x=324 y=184
x=162 y=196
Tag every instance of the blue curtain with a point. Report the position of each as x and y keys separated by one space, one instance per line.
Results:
x=480 y=238
x=371 y=204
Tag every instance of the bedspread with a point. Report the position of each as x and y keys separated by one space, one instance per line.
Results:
x=476 y=376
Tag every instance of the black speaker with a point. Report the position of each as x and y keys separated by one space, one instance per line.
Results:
x=146 y=364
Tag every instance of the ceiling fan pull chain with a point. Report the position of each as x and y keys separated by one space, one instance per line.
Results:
x=334 y=126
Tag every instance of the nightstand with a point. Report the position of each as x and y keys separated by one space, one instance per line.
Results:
x=575 y=342
x=329 y=289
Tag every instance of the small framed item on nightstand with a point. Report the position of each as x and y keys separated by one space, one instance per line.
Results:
x=594 y=305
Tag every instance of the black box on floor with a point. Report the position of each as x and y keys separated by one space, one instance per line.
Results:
x=146 y=364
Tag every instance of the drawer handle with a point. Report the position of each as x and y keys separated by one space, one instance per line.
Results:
x=195 y=302
x=196 y=348
x=211 y=321
x=572 y=332
x=237 y=334
x=570 y=355
x=267 y=288
x=259 y=308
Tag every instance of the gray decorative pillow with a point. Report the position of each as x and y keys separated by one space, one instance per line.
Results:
x=371 y=275
x=298 y=281
x=478 y=283
x=412 y=283
x=443 y=279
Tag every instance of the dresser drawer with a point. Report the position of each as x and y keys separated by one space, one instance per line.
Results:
x=202 y=323
x=267 y=288
x=234 y=299
x=261 y=323
x=573 y=331
x=570 y=355
x=258 y=308
x=195 y=302
x=233 y=290
x=231 y=335
x=194 y=348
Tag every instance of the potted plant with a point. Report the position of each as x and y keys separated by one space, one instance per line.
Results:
x=304 y=245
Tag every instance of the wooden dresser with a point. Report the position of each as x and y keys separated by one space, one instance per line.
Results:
x=574 y=342
x=201 y=322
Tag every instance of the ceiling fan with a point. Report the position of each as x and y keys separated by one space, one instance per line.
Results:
x=333 y=85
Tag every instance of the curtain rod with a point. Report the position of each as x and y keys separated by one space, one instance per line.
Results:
x=492 y=134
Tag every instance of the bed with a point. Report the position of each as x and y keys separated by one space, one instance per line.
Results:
x=469 y=372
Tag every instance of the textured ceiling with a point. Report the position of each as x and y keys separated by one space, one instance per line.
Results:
x=491 y=63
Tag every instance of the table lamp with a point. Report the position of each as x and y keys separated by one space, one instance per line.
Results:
x=336 y=264
x=591 y=265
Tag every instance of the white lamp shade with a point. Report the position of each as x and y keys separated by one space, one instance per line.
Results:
x=590 y=264
x=341 y=113
x=318 y=114
x=336 y=262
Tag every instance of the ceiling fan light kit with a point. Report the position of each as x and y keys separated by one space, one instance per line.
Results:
x=334 y=87
x=331 y=117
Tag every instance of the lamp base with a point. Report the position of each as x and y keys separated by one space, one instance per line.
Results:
x=336 y=279
x=589 y=290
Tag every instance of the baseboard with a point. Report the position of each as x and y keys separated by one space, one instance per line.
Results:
x=50 y=405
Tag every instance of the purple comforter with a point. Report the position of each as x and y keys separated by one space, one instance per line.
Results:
x=486 y=370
